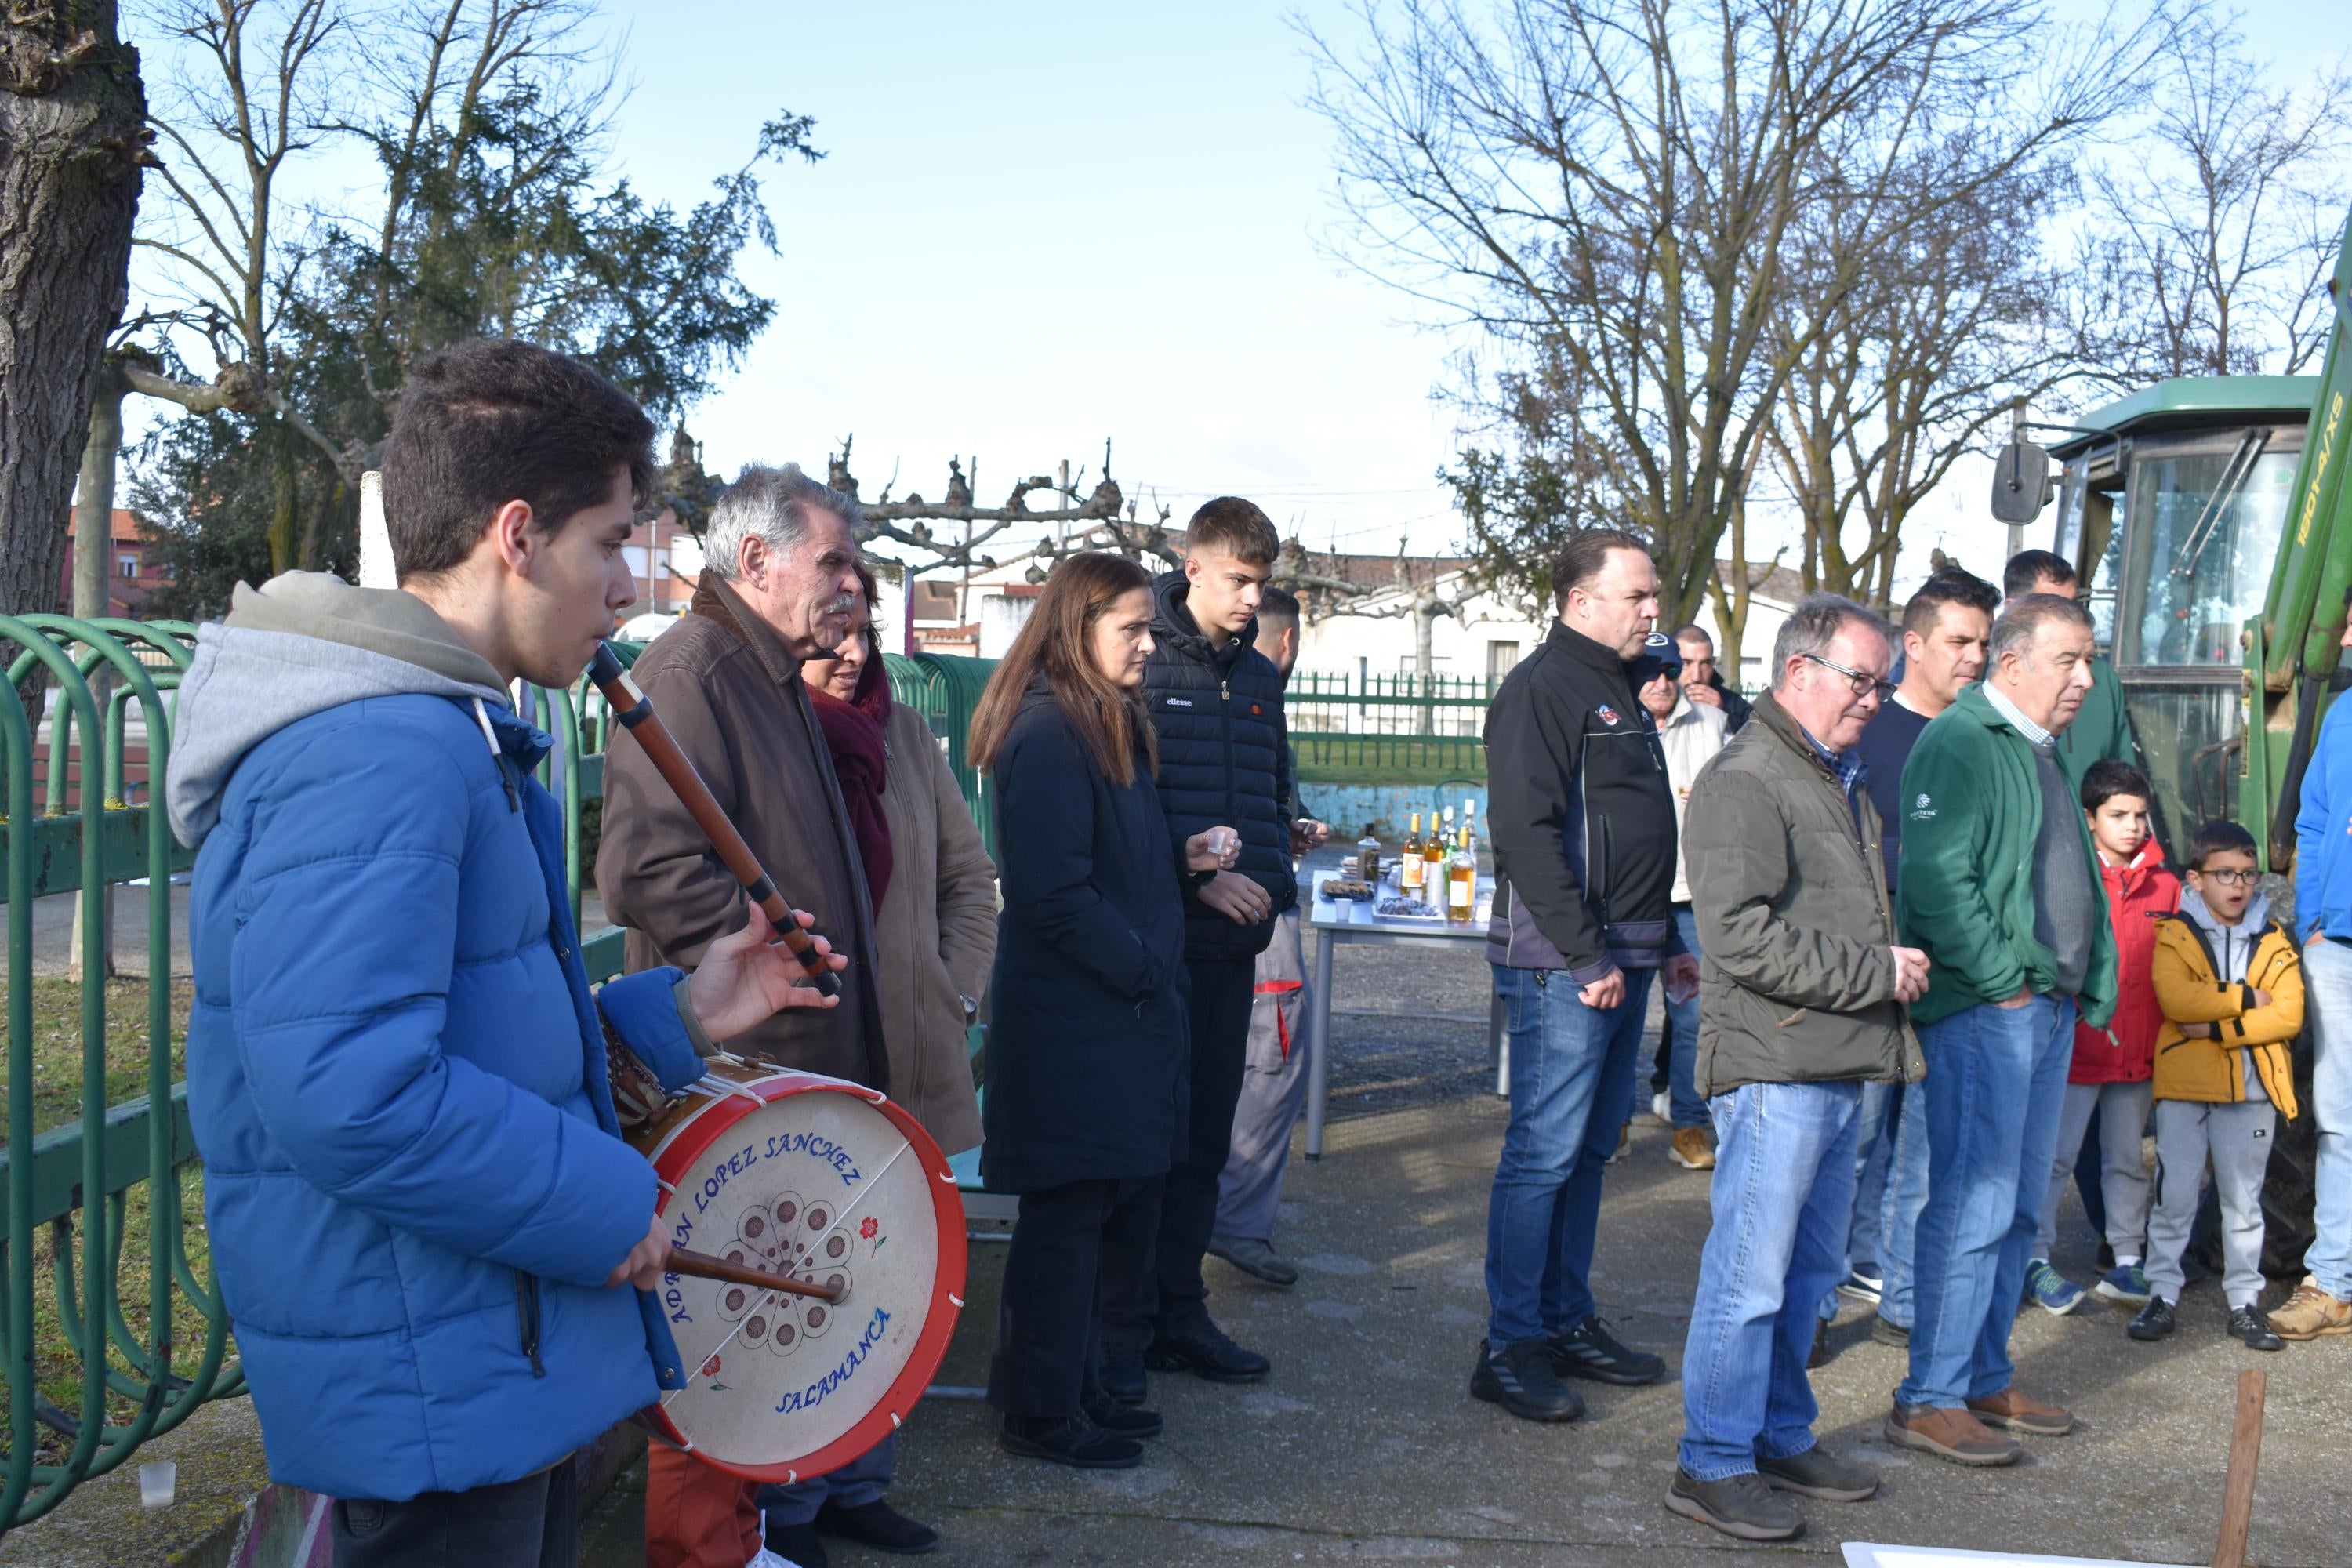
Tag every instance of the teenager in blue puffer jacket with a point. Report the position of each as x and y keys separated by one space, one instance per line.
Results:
x=424 y=1218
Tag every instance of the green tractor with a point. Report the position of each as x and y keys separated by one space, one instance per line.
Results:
x=2211 y=523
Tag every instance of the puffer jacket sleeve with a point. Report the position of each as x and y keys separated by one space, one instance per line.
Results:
x=2282 y=1020
x=1045 y=830
x=1944 y=909
x=1737 y=849
x=645 y=1010
x=341 y=967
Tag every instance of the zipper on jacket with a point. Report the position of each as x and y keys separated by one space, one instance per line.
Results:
x=527 y=1310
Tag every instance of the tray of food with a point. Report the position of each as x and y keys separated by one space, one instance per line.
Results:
x=1397 y=907
x=1347 y=890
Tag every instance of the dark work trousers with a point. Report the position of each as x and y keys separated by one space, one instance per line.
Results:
x=530 y=1524
x=1163 y=1292
x=1046 y=1343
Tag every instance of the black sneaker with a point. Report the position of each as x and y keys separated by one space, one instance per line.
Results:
x=1122 y=1375
x=1519 y=1378
x=1203 y=1350
x=795 y=1544
x=878 y=1525
x=1887 y=1332
x=1740 y=1505
x=1590 y=1350
x=2153 y=1321
x=2248 y=1324
x=1070 y=1440
x=1125 y=1421
x=1818 y=1475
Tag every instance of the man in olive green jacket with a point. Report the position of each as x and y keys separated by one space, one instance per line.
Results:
x=2000 y=885
x=1802 y=984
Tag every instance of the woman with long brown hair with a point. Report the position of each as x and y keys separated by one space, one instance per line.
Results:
x=1087 y=1048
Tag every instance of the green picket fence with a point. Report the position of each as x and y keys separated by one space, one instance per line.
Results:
x=1399 y=726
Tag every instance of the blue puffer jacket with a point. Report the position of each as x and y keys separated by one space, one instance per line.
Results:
x=397 y=1070
x=1225 y=759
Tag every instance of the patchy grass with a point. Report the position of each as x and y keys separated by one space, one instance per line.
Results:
x=131 y=1220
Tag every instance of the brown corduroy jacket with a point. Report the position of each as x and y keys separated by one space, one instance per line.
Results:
x=730 y=694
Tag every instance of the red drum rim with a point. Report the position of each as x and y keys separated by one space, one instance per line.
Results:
x=746 y=1095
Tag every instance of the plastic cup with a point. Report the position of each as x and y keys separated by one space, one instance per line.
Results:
x=157 y=1480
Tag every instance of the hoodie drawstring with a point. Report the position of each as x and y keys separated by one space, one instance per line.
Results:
x=498 y=754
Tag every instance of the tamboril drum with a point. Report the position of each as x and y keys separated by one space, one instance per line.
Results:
x=823 y=1180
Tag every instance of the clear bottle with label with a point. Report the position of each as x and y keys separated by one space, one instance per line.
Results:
x=1411 y=864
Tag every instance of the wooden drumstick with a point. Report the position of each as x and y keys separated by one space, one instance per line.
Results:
x=702 y=1266
x=637 y=715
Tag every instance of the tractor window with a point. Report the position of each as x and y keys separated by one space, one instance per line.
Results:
x=2201 y=570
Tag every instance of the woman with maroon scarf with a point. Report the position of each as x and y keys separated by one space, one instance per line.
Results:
x=934 y=894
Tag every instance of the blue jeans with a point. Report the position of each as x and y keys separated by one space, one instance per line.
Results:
x=1782 y=1192
x=2327 y=1002
x=1684 y=1107
x=1899 y=1207
x=1995 y=1082
x=1566 y=1059
x=855 y=1484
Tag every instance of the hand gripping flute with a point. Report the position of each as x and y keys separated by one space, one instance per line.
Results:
x=637 y=715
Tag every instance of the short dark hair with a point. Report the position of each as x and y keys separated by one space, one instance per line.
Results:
x=1947 y=585
x=1232 y=526
x=1690 y=631
x=493 y=421
x=1585 y=556
x=1277 y=610
x=2028 y=567
x=2217 y=837
x=2023 y=620
x=2108 y=778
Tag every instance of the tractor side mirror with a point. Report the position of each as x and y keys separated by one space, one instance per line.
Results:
x=2021 y=483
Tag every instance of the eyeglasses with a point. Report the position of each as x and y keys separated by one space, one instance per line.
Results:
x=1863 y=682
x=2230 y=878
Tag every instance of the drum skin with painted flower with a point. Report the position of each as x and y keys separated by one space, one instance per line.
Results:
x=822 y=1180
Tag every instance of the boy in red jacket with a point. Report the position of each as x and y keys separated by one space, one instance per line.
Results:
x=2113 y=1067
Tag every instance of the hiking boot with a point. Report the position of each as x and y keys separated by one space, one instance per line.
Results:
x=1821 y=1354
x=1590 y=1350
x=1203 y=1350
x=1887 y=1332
x=1124 y=1420
x=1740 y=1505
x=1122 y=1375
x=1070 y=1440
x=2310 y=1313
x=1624 y=1143
x=2127 y=1283
x=2022 y=1413
x=878 y=1525
x=2050 y=1290
x=2249 y=1324
x=1692 y=1149
x=1859 y=1286
x=1519 y=1378
x=1948 y=1434
x=1814 y=1474
x=1254 y=1258
x=797 y=1545
x=2152 y=1321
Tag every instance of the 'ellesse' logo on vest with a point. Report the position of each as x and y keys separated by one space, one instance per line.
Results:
x=1179 y=703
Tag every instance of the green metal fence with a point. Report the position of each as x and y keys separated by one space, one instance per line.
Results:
x=1388 y=724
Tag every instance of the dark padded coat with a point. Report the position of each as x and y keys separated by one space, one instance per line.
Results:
x=1225 y=759
x=1088 y=1044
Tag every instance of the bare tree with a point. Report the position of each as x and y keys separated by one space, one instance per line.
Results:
x=1613 y=183
x=2221 y=223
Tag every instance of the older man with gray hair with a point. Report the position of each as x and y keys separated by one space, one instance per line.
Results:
x=1803 y=985
x=780 y=586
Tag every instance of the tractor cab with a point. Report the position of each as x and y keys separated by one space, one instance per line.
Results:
x=2171 y=505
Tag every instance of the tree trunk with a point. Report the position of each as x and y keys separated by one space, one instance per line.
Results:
x=285 y=545
x=72 y=138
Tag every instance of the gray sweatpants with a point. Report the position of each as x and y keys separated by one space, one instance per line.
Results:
x=2123 y=1168
x=1273 y=1088
x=2237 y=1137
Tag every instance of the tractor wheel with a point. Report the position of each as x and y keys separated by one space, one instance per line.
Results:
x=2288 y=1191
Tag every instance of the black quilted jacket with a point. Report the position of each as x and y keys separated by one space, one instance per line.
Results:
x=1223 y=760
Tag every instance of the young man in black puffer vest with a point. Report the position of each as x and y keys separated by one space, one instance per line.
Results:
x=1216 y=704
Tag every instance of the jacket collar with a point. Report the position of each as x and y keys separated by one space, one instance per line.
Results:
x=1172 y=623
x=715 y=599
x=1584 y=650
x=1785 y=728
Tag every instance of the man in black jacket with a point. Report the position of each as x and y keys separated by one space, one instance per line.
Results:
x=1584 y=826
x=1216 y=704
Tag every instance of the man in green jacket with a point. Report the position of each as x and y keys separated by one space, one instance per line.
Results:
x=2001 y=886
x=2101 y=730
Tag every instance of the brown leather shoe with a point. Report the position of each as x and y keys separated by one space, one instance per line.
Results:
x=1948 y=1434
x=2310 y=1313
x=2021 y=1413
x=1694 y=1149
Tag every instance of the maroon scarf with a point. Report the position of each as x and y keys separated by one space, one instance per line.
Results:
x=853 y=731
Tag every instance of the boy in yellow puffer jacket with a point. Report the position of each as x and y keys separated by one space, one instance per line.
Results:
x=2230 y=982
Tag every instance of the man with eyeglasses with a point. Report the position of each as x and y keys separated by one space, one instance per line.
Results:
x=1802 y=982
x=2001 y=886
